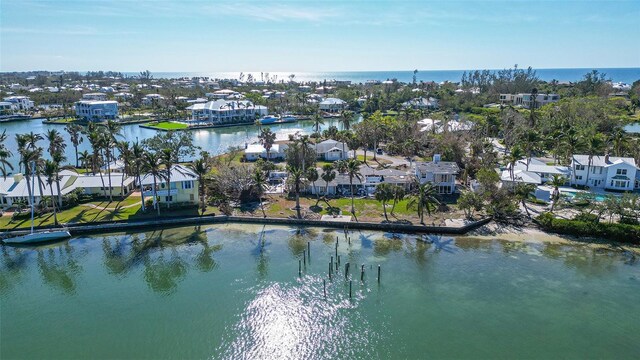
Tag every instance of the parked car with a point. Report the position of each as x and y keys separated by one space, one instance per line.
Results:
x=379 y=151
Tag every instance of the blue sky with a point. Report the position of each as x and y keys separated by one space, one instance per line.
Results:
x=193 y=35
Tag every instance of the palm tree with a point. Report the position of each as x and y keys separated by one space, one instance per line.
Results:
x=85 y=159
x=296 y=174
x=312 y=175
x=21 y=142
x=384 y=193
x=58 y=158
x=556 y=182
x=29 y=159
x=260 y=185
x=137 y=153
x=328 y=174
x=112 y=130
x=317 y=122
x=513 y=158
x=594 y=143
x=75 y=133
x=522 y=192
x=127 y=158
x=398 y=195
x=153 y=164
x=267 y=138
x=4 y=155
x=346 y=117
x=202 y=167
x=167 y=159
x=56 y=142
x=353 y=171
x=51 y=174
x=425 y=198
x=618 y=140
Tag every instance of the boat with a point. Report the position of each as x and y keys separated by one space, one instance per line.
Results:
x=269 y=119
x=288 y=119
x=38 y=237
x=41 y=236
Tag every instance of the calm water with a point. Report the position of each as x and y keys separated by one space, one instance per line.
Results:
x=215 y=141
x=627 y=75
x=223 y=292
x=633 y=128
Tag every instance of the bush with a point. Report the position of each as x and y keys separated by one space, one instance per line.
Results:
x=619 y=232
x=586 y=217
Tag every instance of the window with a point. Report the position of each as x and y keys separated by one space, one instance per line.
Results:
x=191 y=197
x=168 y=198
x=621 y=172
x=187 y=184
x=579 y=167
x=578 y=177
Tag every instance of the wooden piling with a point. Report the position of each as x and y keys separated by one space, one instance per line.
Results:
x=362 y=273
x=330 y=269
x=309 y=250
x=324 y=287
x=350 y=288
x=304 y=258
x=299 y=267
x=378 y=273
x=346 y=270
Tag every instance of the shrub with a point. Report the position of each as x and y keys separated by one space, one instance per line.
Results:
x=586 y=217
x=619 y=232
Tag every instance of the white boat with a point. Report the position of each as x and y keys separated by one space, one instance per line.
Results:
x=38 y=237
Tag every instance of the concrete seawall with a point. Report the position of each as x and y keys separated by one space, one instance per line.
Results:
x=117 y=226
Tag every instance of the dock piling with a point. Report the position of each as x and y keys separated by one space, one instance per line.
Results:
x=362 y=273
x=378 y=273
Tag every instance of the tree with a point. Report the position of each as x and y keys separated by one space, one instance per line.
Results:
x=202 y=168
x=85 y=160
x=267 y=138
x=75 y=133
x=312 y=176
x=424 y=200
x=384 y=193
x=595 y=143
x=317 y=122
x=260 y=184
x=153 y=164
x=328 y=174
x=470 y=202
x=522 y=192
x=167 y=159
x=295 y=174
x=513 y=158
x=109 y=142
x=398 y=194
x=137 y=153
x=51 y=174
x=346 y=117
x=556 y=182
x=4 y=155
x=353 y=171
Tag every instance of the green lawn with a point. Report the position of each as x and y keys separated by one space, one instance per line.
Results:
x=167 y=125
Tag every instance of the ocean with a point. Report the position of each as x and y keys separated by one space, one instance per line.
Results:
x=626 y=75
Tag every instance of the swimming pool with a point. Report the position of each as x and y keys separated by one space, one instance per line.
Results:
x=572 y=194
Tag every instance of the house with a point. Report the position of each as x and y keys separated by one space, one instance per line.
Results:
x=332 y=105
x=533 y=171
x=95 y=96
x=366 y=185
x=332 y=150
x=97 y=110
x=183 y=186
x=254 y=152
x=438 y=126
x=224 y=111
x=6 y=108
x=20 y=102
x=441 y=174
x=529 y=100
x=605 y=172
x=223 y=94
x=421 y=103
x=151 y=99
x=123 y=96
x=14 y=188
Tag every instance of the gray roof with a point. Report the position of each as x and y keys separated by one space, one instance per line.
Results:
x=178 y=173
x=440 y=167
x=602 y=160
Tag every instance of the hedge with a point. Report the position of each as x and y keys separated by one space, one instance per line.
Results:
x=619 y=232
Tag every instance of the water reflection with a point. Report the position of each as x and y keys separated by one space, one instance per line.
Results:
x=59 y=267
x=12 y=268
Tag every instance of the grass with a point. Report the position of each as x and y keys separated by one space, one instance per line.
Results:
x=125 y=209
x=370 y=159
x=167 y=125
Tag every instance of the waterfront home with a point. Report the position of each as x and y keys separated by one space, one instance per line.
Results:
x=421 y=103
x=6 y=108
x=332 y=105
x=91 y=110
x=332 y=150
x=370 y=179
x=14 y=188
x=254 y=152
x=533 y=171
x=605 y=172
x=223 y=94
x=225 y=111
x=442 y=174
x=183 y=186
x=95 y=96
x=20 y=102
x=151 y=99
x=123 y=96
x=529 y=100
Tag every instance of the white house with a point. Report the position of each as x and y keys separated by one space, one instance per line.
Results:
x=441 y=174
x=97 y=110
x=537 y=172
x=20 y=102
x=332 y=150
x=254 y=152
x=183 y=186
x=223 y=111
x=6 y=107
x=332 y=105
x=605 y=172
x=368 y=183
x=223 y=94
x=421 y=103
x=151 y=99
x=95 y=96
x=528 y=100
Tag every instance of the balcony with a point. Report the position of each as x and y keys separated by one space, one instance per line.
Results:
x=161 y=192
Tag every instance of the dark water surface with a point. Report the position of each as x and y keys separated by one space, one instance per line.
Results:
x=233 y=291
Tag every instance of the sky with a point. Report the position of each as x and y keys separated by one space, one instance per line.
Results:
x=202 y=36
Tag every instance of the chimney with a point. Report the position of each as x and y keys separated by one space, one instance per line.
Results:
x=18 y=177
x=606 y=159
x=436 y=158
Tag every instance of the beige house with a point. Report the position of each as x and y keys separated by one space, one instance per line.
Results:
x=183 y=187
